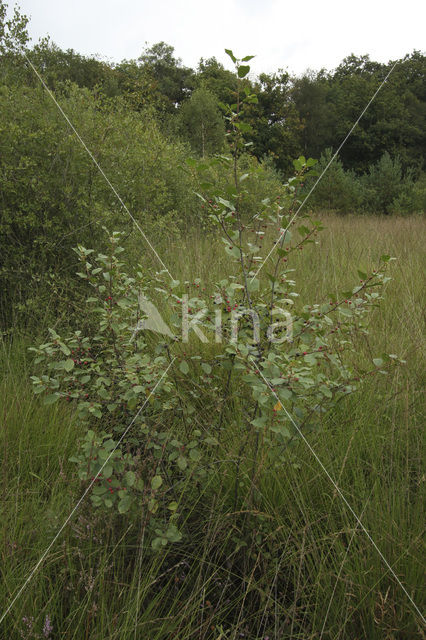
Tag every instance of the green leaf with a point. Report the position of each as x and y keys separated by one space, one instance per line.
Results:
x=99 y=491
x=173 y=534
x=184 y=367
x=65 y=350
x=281 y=429
x=233 y=251
x=182 y=463
x=378 y=362
x=284 y=393
x=243 y=70
x=103 y=454
x=226 y=203
x=345 y=312
x=53 y=397
x=244 y=127
x=129 y=478
x=195 y=455
x=231 y=55
x=206 y=367
x=247 y=58
x=124 y=504
x=156 y=482
x=95 y=411
x=253 y=285
x=259 y=423
x=103 y=393
x=68 y=365
x=107 y=471
x=138 y=389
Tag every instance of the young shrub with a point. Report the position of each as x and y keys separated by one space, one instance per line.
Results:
x=412 y=198
x=201 y=123
x=383 y=184
x=338 y=190
x=266 y=363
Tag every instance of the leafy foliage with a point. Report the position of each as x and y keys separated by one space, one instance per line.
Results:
x=338 y=190
x=52 y=191
x=278 y=383
x=201 y=123
x=384 y=184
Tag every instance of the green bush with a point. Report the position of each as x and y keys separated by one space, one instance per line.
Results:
x=201 y=123
x=412 y=198
x=384 y=189
x=52 y=192
x=51 y=189
x=261 y=358
x=383 y=185
x=338 y=190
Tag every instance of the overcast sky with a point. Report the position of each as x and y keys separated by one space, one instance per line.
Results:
x=291 y=35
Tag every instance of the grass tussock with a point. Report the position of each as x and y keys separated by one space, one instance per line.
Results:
x=276 y=555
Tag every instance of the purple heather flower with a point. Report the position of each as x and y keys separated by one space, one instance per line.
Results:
x=48 y=627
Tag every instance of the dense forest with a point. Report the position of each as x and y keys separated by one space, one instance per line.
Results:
x=292 y=115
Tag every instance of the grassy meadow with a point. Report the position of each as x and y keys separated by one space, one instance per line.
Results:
x=295 y=567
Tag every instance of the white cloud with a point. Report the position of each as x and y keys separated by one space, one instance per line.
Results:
x=311 y=34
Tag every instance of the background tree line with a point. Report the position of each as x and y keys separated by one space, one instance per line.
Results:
x=143 y=118
x=294 y=114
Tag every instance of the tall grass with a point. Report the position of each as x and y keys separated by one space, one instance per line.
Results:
x=289 y=563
